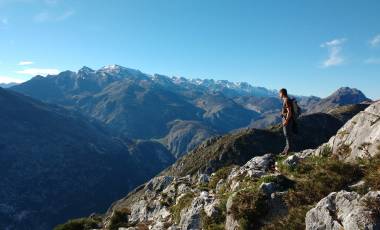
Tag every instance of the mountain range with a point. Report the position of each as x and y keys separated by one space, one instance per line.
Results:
x=143 y=106
x=235 y=182
x=74 y=142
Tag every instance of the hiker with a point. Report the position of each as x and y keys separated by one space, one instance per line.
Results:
x=288 y=119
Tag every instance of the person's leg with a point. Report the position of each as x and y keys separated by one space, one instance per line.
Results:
x=289 y=136
x=285 y=129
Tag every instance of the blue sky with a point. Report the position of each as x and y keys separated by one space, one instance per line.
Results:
x=309 y=47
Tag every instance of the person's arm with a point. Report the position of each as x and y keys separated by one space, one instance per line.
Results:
x=289 y=113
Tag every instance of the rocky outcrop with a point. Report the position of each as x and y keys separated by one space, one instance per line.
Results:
x=256 y=167
x=358 y=138
x=191 y=216
x=345 y=210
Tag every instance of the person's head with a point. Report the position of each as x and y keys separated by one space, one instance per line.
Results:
x=283 y=93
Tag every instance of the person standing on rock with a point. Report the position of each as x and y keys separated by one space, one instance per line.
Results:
x=287 y=120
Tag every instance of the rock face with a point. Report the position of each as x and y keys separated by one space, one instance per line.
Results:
x=359 y=137
x=345 y=210
x=361 y=134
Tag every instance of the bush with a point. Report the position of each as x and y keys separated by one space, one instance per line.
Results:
x=78 y=224
x=216 y=223
x=295 y=220
x=119 y=219
x=249 y=206
x=371 y=168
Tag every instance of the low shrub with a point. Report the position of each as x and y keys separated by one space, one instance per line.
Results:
x=212 y=223
x=249 y=206
x=119 y=219
x=78 y=224
x=295 y=220
x=315 y=178
x=182 y=203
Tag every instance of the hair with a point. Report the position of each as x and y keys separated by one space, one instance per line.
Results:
x=284 y=91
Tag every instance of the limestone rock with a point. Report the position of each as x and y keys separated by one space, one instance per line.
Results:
x=359 y=137
x=203 y=178
x=345 y=210
x=256 y=167
x=231 y=222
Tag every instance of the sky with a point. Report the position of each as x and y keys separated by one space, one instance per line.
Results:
x=308 y=47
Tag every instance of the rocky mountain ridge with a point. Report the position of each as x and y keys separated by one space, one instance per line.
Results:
x=142 y=106
x=312 y=189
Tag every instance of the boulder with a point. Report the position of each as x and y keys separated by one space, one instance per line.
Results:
x=191 y=216
x=345 y=210
x=219 y=185
x=291 y=161
x=256 y=167
x=203 y=179
x=211 y=209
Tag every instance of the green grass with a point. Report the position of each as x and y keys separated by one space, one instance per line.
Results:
x=314 y=177
x=182 y=203
x=249 y=206
x=222 y=173
x=371 y=171
x=295 y=220
x=212 y=223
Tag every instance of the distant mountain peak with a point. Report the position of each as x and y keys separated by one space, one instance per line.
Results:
x=113 y=67
x=120 y=70
x=347 y=89
x=86 y=69
x=345 y=92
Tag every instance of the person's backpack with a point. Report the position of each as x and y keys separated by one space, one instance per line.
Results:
x=297 y=111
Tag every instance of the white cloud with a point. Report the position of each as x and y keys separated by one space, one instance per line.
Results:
x=25 y=63
x=372 y=61
x=46 y=16
x=375 y=41
x=38 y=71
x=6 y=79
x=42 y=17
x=334 y=48
x=65 y=15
